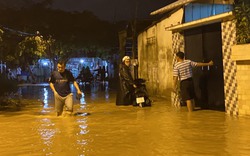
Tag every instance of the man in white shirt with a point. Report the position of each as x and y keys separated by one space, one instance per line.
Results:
x=183 y=71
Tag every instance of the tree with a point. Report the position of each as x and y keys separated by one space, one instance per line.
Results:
x=77 y=29
x=31 y=49
x=242 y=16
x=1 y=34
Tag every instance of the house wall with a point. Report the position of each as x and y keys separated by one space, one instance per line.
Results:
x=240 y=54
x=156 y=59
x=155 y=55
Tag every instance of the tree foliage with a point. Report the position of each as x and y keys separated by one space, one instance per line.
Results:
x=1 y=34
x=73 y=33
x=31 y=49
x=78 y=28
x=242 y=16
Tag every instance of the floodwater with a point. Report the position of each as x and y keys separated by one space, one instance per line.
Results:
x=109 y=130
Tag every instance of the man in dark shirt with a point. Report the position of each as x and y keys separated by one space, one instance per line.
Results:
x=60 y=84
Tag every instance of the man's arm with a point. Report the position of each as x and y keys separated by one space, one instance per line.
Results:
x=200 y=64
x=77 y=87
x=175 y=79
x=52 y=87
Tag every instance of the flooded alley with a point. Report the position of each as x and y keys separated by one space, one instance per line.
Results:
x=103 y=129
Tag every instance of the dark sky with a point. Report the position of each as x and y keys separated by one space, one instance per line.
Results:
x=104 y=9
x=108 y=9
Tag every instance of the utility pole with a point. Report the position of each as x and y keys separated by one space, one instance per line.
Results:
x=134 y=33
x=134 y=41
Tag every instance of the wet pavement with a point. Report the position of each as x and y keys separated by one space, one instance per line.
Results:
x=109 y=130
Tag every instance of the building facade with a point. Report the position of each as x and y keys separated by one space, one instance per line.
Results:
x=204 y=30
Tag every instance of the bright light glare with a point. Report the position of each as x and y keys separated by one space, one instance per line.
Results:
x=45 y=63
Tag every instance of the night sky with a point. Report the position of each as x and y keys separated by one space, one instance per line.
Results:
x=108 y=9
x=104 y=9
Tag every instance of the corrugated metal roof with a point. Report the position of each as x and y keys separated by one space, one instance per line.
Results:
x=171 y=6
x=200 y=22
x=184 y=2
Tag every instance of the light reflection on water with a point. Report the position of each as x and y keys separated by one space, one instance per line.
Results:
x=45 y=99
x=109 y=130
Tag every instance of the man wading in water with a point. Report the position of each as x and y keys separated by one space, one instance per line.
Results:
x=60 y=84
x=183 y=71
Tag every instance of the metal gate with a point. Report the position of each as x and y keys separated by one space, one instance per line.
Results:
x=203 y=44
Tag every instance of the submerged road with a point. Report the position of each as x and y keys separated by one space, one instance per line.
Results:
x=109 y=130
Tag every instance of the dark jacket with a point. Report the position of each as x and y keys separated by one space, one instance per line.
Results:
x=125 y=87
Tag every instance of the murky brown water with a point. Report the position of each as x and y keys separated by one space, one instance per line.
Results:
x=109 y=130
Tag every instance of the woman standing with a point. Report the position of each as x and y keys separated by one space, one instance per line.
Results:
x=126 y=85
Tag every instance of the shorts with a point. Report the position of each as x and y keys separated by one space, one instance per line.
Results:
x=66 y=101
x=187 y=89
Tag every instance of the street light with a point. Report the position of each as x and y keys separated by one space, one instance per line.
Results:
x=81 y=61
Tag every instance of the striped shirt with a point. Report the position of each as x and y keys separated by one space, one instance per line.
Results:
x=183 y=70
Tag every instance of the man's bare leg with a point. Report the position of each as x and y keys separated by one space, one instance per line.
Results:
x=189 y=105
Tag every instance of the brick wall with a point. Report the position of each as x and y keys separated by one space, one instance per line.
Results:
x=240 y=53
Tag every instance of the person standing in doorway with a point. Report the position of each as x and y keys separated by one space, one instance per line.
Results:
x=125 y=92
x=183 y=71
x=60 y=84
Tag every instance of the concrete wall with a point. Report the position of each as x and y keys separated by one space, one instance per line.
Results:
x=240 y=54
x=155 y=55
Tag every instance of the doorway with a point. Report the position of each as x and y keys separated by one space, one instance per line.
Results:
x=203 y=44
